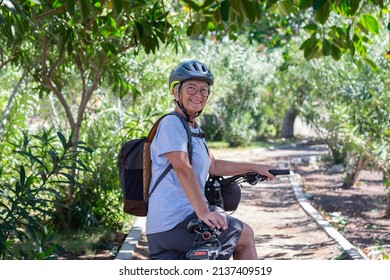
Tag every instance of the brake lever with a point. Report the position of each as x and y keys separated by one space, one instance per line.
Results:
x=253 y=178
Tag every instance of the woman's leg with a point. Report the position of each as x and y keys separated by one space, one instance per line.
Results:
x=246 y=247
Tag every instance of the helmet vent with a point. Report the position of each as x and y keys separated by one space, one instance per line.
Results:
x=195 y=66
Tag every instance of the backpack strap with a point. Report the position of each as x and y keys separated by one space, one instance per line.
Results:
x=188 y=131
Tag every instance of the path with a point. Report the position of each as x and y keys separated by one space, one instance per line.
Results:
x=285 y=225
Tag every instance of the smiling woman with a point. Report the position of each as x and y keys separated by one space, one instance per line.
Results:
x=181 y=195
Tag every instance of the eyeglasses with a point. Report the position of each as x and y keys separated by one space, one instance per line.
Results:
x=192 y=90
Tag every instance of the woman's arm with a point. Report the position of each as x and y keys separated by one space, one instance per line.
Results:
x=220 y=167
x=190 y=185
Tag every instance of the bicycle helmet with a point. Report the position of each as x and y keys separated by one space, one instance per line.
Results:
x=188 y=70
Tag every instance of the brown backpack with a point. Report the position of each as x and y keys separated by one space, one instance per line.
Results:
x=135 y=169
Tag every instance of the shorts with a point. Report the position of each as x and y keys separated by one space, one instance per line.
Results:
x=175 y=243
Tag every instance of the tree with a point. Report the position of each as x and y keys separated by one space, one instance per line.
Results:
x=71 y=47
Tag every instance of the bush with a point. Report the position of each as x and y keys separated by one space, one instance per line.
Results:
x=31 y=193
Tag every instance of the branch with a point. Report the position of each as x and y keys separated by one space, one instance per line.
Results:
x=48 y=83
x=90 y=21
x=82 y=74
x=6 y=62
x=86 y=97
x=50 y=12
x=9 y=104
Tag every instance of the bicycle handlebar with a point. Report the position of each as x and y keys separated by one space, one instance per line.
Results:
x=276 y=172
x=252 y=177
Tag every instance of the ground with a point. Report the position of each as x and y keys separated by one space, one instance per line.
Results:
x=358 y=213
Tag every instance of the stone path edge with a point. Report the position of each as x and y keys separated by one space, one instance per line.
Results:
x=318 y=218
x=131 y=241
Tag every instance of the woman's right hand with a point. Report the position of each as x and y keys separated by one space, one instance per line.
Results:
x=215 y=220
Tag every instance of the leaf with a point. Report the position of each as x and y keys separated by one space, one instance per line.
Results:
x=84 y=167
x=135 y=91
x=87 y=10
x=235 y=6
x=317 y=4
x=87 y=149
x=336 y=53
x=353 y=6
x=70 y=7
x=33 y=158
x=285 y=7
x=249 y=9
x=224 y=9
x=271 y=3
x=69 y=177
x=62 y=139
x=351 y=31
x=311 y=27
x=371 y=63
x=118 y=5
x=53 y=156
x=305 y=4
x=322 y=13
x=22 y=176
x=109 y=49
x=326 y=48
x=311 y=48
x=370 y=23
x=139 y=30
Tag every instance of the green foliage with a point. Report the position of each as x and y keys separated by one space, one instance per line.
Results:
x=239 y=103
x=31 y=188
x=353 y=115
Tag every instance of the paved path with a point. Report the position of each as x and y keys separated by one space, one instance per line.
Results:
x=285 y=224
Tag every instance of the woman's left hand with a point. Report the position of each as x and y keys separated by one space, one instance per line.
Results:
x=264 y=170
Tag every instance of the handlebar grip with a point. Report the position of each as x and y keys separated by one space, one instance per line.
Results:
x=276 y=172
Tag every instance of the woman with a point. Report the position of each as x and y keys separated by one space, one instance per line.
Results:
x=180 y=196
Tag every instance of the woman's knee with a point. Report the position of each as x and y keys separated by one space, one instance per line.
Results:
x=247 y=236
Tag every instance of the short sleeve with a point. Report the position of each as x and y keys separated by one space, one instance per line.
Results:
x=171 y=136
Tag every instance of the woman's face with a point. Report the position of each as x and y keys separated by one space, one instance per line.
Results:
x=193 y=95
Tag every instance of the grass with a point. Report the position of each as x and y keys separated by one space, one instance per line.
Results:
x=87 y=242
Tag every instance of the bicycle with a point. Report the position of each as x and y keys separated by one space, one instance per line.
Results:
x=206 y=245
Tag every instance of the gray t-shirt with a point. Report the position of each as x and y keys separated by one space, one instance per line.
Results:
x=168 y=205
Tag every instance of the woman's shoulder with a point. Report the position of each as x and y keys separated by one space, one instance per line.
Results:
x=171 y=120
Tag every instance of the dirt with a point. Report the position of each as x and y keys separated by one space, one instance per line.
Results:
x=284 y=231
x=357 y=212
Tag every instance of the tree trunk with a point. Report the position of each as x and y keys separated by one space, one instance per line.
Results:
x=288 y=122
x=356 y=163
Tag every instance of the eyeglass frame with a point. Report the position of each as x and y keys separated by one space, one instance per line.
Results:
x=197 y=90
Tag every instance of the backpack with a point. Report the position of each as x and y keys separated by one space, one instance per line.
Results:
x=134 y=165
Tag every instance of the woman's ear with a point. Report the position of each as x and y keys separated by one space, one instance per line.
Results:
x=175 y=92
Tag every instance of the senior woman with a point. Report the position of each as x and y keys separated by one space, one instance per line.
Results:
x=180 y=196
